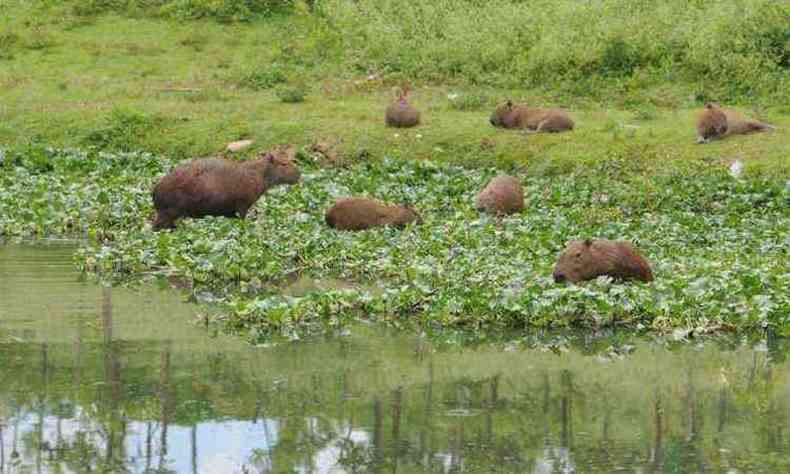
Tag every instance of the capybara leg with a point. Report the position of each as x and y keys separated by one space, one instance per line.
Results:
x=549 y=126
x=164 y=220
x=241 y=211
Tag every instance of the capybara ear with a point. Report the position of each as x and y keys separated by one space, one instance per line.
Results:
x=587 y=242
x=270 y=157
x=509 y=103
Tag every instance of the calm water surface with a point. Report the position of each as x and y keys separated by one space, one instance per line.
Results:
x=97 y=379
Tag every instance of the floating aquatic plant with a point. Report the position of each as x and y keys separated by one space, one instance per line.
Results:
x=720 y=245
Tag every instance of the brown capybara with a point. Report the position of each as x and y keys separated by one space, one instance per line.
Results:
x=509 y=115
x=587 y=259
x=711 y=123
x=503 y=195
x=219 y=187
x=401 y=114
x=357 y=213
x=718 y=122
x=738 y=124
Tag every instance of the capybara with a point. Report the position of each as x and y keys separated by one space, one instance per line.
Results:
x=711 y=123
x=357 y=213
x=509 y=115
x=400 y=113
x=587 y=259
x=717 y=122
x=219 y=187
x=503 y=195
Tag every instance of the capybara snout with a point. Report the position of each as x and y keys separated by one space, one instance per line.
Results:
x=283 y=170
x=559 y=277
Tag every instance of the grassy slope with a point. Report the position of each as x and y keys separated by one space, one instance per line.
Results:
x=63 y=83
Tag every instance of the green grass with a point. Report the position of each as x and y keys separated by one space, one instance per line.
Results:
x=118 y=81
x=186 y=89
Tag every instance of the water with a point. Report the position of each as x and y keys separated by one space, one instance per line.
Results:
x=99 y=379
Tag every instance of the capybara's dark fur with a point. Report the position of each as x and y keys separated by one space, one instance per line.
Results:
x=587 y=259
x=401 y=114
x=357 y=213
x=219 y=187
x=711 y=123
x=717 y=122
x=509 y=115
x=503 y=195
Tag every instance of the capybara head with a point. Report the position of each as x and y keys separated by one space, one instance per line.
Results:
x=500 y=113
x=407 y=213
x=588 y=259
x=280 y=169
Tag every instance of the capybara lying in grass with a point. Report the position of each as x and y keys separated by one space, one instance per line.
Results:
x=503 y=195
x=711 y=123
x=219 y=187
x=400 y=113
x=715 y=122
x=588 y=259
x=509 y=115
x=356 y=213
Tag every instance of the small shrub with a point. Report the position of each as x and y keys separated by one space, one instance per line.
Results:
x=474 y=101
x=619 y=58
x=7 y=42
x=125 y=130
x=645 y=112
x=96 y=7
x=291 y=94
x=222 y=10
x=263 y=77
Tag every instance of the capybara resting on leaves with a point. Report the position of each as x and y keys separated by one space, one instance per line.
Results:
x=358 y=213
x=502 y=195
x=218 y=187
x=588 y=259
x=715 y=122
x=400 y=113
x=509 y=115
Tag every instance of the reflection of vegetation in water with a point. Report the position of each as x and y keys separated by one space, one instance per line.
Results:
x=439 y=415
x=116 y=380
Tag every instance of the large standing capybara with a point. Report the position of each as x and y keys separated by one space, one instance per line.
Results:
x=503 y=195
x=509 y=115
x=357 y=213
x=219 y=187
x=587 y=259
x=401 y=114
x=715 y=122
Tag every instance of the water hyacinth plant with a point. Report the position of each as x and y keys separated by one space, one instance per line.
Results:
x=719 y=244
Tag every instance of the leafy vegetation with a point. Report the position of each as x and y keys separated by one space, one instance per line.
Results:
x=100 y=98
x=719 y=244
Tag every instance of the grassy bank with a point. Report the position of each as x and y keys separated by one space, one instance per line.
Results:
x=123 y=79
x=112 y=84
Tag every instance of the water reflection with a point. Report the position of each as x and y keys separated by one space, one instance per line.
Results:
x=98 y=379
